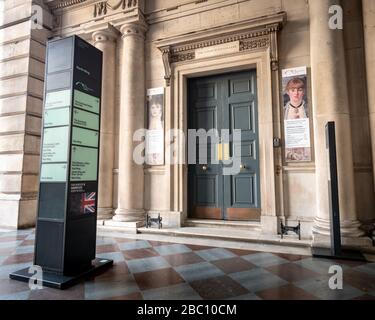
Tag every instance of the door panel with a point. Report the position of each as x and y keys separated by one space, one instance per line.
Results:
x=225 y=102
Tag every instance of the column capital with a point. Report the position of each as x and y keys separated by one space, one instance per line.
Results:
x=135 y=28
x=105 y=35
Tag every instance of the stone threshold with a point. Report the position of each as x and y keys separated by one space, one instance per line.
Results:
x=238 y=225
x=182 y=236
x=229 y=234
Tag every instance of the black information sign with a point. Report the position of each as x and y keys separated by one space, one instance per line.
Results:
x=68 y=197
x=335 y=251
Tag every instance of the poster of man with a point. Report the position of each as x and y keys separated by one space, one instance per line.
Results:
x=155 y=127
x=296 y=115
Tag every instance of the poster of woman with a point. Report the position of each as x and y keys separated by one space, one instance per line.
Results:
x=296 y=115
x=155 y=127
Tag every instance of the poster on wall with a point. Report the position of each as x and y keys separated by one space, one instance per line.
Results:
x=155 y=126
x=296 y=115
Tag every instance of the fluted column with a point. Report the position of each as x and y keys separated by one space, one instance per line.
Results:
x=105 y=40
x=331 y=103
x=368 y=7
x=131 y=178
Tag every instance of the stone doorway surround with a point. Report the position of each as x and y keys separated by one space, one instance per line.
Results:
x=257 y=43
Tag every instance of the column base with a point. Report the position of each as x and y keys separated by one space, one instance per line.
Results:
x=129 y=215
x=269 y=224
x=351 y=235
x=105 y=213
x=129 y=227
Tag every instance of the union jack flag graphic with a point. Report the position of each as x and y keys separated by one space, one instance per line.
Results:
x=88 y=202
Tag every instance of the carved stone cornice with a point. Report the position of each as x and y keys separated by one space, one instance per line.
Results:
x=63 y=4
x=260 y=37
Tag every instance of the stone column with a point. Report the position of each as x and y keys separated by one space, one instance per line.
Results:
x=130 y=208
x=105 y=40
x=331 y=103
x=368 y=7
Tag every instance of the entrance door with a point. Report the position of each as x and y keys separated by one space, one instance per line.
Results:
x=224 y=102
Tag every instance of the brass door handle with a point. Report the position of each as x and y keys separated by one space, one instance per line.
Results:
x=242 y=166
x=204 y=168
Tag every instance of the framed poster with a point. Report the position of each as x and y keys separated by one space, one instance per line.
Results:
x=155 y=127
x=296 y=115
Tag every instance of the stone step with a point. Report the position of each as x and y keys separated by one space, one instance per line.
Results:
x=228 y=234
x=238 y=225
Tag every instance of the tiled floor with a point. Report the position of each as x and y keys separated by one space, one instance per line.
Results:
x=145 y=269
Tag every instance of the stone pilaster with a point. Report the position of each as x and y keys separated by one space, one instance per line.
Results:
x=130 y=208
x=331 y=103
x=105 y=40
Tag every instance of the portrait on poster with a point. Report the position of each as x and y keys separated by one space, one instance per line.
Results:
x=296 y=115
x=155 y=127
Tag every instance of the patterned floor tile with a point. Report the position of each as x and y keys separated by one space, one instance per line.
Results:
x=19 y=258
x=158 y=243
x=16 y=233
x=31 y=236
x=291 y=257
x=264 y=259
x=104 y=240
x=134 y=245
x=24 y=295
x=218 y=288
x=320 y=266
x=10 y=244
x=130 y=296
x=28 y=243
x=368 y=268
x=6 y=251
x=287 y=292
x=12 y=238
x=196 y=247
x=107 y=289
x=248 y=296
x=115 y=256
x=215 y=254
x=232 y=265
x=8 y=286
x=292 y=272
x=198 y=271
x=319 y=287
x=147 y=264
x=365 y=297
x=257 y=279
x=107 y=248
x=157 y=278
x=24 y=249
x=165 y=250
x=182 y=259
x=181 y=291
x=76 y=292
x=148 y=269
x=140 y=253
x=6 y=269
x=360 y=280
x=242 y=252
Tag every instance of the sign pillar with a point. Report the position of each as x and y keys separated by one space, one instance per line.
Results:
x=65 y=240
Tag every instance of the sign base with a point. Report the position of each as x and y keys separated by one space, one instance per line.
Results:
x=62 y=282
x=343 y=255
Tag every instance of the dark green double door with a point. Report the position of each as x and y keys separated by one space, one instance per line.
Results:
x=219 y=189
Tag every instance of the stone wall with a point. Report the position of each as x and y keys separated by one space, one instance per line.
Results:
x=22 y=51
